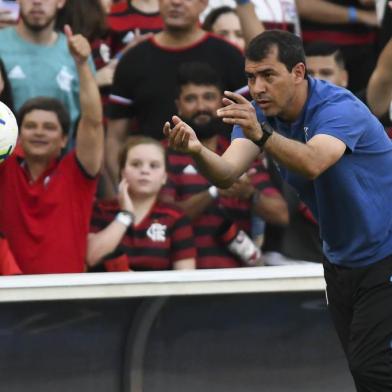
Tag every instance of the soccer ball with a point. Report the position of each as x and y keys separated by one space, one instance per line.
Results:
x=8 y=132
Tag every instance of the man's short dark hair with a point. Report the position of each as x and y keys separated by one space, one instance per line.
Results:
x=322 y=48
x=198 y=73
x=48 y=104
x=290 y=50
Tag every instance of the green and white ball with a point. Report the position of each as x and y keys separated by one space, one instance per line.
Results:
x=8 y=132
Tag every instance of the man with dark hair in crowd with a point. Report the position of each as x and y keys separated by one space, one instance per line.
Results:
x=325 y=61
x=47 y=199
x=217 y=214
x=349 y=24
x=144 y=81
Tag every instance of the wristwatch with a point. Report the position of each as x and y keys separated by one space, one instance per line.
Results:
x=267 y=132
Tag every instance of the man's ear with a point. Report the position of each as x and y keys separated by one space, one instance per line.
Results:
x=64 y=141
x=298 y=72
x=344 y=76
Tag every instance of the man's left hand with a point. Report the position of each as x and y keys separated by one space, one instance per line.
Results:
x=78 y=45
x=238 y=110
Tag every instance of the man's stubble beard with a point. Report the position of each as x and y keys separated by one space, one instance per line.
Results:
x=37 y=28
x=175 y=30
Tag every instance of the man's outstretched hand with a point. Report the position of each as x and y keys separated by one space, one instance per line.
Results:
x=181 y=136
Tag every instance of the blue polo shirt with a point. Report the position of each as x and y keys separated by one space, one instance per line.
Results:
x=352 y=199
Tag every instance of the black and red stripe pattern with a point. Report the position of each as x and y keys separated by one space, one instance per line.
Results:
x=210 y=228
x=125 y=18
x=163 y=237
x=339 y=33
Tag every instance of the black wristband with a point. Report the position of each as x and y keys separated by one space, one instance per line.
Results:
x=267 y=132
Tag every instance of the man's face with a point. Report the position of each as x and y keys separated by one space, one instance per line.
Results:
x=181 y=15
x=199 y=102
x=41 y=135
x=326 y=68
x=271 y=85
x=39 y=14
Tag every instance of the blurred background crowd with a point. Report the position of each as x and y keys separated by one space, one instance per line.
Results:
x=93 y=185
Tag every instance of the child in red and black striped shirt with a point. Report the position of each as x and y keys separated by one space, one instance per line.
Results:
x=137 y=231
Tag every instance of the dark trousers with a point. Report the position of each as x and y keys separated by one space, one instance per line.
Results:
x=360 y=302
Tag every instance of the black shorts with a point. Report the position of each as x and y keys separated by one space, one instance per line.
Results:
x=360 y=302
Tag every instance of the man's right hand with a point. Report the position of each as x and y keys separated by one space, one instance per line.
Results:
x=78 y=46
x=182 y=137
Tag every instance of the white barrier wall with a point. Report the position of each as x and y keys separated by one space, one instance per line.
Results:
x=255 y=329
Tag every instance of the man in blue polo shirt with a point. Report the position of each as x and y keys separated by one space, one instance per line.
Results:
x=337 y=156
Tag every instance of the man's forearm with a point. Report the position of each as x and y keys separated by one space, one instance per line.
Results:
x=322 y=11
x=90 y=100
x=379 y=90
x=195 y=205
x=273 y=209
x=90 y=134
x=250 y=23
x=214 y=168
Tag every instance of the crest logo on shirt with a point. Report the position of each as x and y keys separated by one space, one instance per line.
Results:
x=104 y=52
x=46 y=181
x=189 y=169
x=157 y=232
x=64 y=79
x=17 y=73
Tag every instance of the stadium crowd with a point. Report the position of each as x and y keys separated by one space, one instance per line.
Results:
x=93 y=185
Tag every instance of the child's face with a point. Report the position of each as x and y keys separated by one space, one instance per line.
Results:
x=145 y=170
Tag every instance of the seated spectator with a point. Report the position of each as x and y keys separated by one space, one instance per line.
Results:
x=37 y=59
x=217 y=214
x=46 y=199
x=325 y=61
x=144 y=79
x=351 y=25
x=136 y=231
